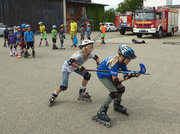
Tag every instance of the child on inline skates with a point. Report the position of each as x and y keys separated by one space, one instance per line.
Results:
x=114 y=84
x=12 y=41
x=54 y=36
x=75 y=64
x=29 y=40
x=62 y=36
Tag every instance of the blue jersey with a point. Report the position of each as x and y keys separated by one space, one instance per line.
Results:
x=88 y=31
x=112 y=71
x=18 y=35
x=29 y=36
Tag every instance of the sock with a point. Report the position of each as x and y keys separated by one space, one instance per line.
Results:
x=55 y=92
x=83 y=88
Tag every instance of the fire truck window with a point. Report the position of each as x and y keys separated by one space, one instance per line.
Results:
x=159 y=15
x=163 y=15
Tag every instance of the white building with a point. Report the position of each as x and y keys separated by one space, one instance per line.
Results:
x=166 y=3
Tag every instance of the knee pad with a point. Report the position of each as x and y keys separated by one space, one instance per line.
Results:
x=121 y=90
x=41 y=39
x=87 y=76
x=113 y=95
x=63 y=88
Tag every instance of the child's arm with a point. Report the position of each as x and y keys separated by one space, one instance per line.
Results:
x=64 y=34
x=71 y=62
x=96 y=58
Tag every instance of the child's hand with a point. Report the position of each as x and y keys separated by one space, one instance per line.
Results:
x=82 y=69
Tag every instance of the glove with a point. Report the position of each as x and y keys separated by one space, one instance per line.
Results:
x=130 y=75
x=97 y=64
x=81 y=68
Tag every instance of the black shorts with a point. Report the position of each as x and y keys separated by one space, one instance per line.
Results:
x=29 y=44
x=54 y=40
x=6 y=38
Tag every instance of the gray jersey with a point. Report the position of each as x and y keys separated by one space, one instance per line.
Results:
x=79 y=60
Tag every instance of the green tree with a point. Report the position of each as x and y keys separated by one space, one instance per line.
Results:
x=129 y=5
x=109 y=15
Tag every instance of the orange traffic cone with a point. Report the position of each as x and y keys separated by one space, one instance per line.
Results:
x=19 y=56
x=73 y=47
x=99 y=44
x=113 y=42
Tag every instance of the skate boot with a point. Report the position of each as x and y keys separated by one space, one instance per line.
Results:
x=55 y=47
x=62 y=48
x=120 y=108
x=46 y=44
x=22 y=52
x=33 y=54
x=5 y=45
x=16 y=52
x=52 y=99
x=84 y=96
x=103 y=42
x=26 y=54
x=11 y=53
x=102 y=117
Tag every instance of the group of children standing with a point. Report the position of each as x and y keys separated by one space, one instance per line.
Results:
x=61 y=36
x=23 y=37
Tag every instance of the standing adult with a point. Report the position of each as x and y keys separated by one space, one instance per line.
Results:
x=73 y=29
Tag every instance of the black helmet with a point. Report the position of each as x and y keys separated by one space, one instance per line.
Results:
x=126 y=51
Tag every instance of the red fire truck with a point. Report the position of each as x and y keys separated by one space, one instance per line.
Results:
x=124 y=22
x=157 y=22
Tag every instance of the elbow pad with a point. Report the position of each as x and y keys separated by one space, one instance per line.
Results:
x=70 y=61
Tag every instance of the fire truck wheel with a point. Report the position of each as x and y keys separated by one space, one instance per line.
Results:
x=172 y=32
x=160 y=33
x=122 y=32
x=139 y=35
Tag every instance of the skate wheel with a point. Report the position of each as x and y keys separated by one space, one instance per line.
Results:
x=108 y=125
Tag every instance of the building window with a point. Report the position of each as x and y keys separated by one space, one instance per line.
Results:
x=72 y=10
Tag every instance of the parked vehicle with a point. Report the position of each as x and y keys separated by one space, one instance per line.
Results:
x=2 y=28
x=110 y=27
x=124 y=22
x=157 y=22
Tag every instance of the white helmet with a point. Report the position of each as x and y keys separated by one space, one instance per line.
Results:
x=85 y=43
x=40 y=23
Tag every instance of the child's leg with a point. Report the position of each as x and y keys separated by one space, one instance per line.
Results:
x=26 y=51
x=82 y=92
x=63 y=87
x=11 y=47
x=33 y=51
x=42 y=36
x=5 y=40
x=15 y=49
x=45 y=37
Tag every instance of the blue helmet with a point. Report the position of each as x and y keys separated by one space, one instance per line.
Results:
x=11 y=29
x=126 y=51
x=23 y=25
x=54 y=26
